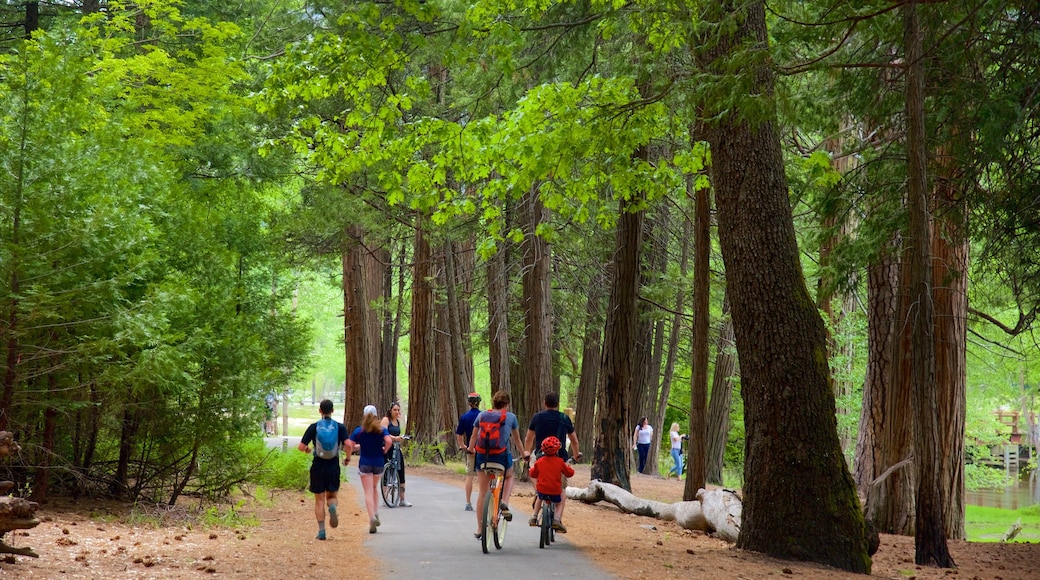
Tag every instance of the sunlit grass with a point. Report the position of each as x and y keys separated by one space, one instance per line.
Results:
x=986 y=524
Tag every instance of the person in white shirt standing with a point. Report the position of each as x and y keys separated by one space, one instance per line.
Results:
x=641 y=439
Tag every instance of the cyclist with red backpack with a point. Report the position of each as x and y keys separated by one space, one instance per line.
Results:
x=492 y=432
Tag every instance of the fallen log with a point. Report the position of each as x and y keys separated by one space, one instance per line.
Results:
x=16 y=513
x=716 y=512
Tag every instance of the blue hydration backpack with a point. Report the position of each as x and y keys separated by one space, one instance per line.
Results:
x=326 y=440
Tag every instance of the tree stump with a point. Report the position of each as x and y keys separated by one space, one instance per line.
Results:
x=716 y=512
x=16 y=513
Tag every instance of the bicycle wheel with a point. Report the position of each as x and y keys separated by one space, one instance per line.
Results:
x=499 y=524
x=486 y=525
x=552 y=518
x=546 y=527
x=390 y=486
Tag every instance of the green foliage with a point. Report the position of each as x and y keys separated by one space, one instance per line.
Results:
x=433 y=452
x=982 y=477
x=284 y=470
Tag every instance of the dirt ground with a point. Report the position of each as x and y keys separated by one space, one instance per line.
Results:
x=100 y=540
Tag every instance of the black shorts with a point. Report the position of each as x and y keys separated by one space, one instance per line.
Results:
x=324 y=475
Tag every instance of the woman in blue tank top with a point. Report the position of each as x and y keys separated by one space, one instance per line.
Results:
x=392 y=423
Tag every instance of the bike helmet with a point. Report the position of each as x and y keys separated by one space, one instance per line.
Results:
x=550 y=445
x=473 y=398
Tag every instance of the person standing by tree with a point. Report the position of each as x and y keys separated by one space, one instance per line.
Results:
x=392 y=423
x=677 y=439
x=373 y=441
x=641 y=439
x=462 y=436
x=550 y=422
x=329 y=437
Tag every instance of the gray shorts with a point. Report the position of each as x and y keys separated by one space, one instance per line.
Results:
x=373 y=469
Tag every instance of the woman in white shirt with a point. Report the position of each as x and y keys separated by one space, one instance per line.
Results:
x=641 y=440
x=677 y=439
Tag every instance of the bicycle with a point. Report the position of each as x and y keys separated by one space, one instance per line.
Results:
x=548 y=534
x=390 y=483
x=492 y=519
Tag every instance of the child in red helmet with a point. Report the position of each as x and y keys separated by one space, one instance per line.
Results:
x=546 y=472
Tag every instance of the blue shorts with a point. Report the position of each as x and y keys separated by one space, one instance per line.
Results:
x=505 y=459
x=549 y=498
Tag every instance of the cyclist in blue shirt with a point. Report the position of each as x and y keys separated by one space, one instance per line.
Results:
x=462 y=435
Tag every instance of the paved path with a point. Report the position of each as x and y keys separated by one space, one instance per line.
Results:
x=283 y=443
x=434 y=539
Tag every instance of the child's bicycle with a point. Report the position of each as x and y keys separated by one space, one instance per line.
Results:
x=548 y=516
x=492 y=523
x=390 y=483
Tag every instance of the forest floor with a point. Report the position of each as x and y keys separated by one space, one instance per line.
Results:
x=275 y=539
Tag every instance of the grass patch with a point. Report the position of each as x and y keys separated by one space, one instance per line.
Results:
x=986 y=524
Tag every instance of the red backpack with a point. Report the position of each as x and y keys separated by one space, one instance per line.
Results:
x=489 y=433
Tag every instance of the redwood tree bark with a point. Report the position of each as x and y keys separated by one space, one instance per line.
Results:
x=929 y=538
x=358 y=388
x=423 y=408
x=720 y=402
x=882 y=281
x=498 y=320
x=785 y=381
x=611 y=454
x=950 y=288
x=696 y=475
x=537 y=296
x=584 y=413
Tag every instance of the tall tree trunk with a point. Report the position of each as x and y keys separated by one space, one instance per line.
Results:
x=423 y=404
x=591 y=351
x=696 y=475
x=458 y=321
x=788 y=403
x=444 y=362
x=498 y=320
x=891 y=505
x=950 y=288
x=721 y=401
x=929 y=538
x=611 y=452
x=537 y=296
x=882 y=302
x=372 y=262
x=377 y=265
x=388 y=333
x=357 y=392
